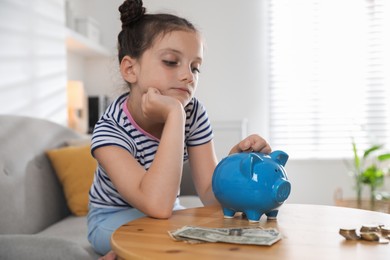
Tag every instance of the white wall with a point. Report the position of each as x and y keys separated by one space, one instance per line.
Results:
x=99 y=74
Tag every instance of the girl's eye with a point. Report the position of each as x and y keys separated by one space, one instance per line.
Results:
x=170 y=63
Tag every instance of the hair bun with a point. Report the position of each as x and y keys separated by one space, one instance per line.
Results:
x=131 y=11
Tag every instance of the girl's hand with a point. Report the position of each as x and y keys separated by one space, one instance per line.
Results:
x=253 y=143
x=157 y=107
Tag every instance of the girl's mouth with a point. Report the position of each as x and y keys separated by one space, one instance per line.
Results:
x=183 y=90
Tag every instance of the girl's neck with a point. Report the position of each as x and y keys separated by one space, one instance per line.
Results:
x=134 y=107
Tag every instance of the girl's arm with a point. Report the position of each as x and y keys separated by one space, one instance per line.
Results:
x=153 y=191
x=203 y=161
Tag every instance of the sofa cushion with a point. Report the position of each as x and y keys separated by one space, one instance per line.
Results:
x=71 y=228
x=74 y=166
x=31 y=196
x=33 y=247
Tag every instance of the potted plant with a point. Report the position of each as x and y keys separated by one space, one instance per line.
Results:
x=368 y=170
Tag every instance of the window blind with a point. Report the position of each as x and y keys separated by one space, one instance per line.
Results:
x=328 y=71
x=33 y=59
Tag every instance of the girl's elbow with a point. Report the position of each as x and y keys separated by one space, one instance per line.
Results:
x=160 y=213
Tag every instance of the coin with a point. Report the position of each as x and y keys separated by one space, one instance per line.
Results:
x=383 y=241
x=370 y=236
x=349 y=234
x=370 y=228
x=385 y=231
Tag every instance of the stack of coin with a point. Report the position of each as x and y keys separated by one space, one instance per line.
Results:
x=376 y=233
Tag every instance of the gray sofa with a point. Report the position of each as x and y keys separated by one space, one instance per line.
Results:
x=35 y=222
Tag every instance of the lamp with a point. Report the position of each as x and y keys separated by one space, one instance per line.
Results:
x=76 y=105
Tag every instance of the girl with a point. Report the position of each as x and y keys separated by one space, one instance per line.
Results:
x=144 y=136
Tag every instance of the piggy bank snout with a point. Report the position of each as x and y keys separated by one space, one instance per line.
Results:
x=281 y=190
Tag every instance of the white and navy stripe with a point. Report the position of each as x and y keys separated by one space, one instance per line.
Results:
x=116 y=127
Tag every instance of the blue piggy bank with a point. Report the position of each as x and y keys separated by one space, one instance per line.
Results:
x=252 y=183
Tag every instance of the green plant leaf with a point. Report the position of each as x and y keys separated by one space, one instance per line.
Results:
x=384 y=157
x=373 y=176
x=371 y=149
x=356 y=157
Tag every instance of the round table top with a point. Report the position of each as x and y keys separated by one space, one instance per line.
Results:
x=308 y=232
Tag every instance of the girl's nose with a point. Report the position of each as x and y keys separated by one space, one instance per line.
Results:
x=187 y=75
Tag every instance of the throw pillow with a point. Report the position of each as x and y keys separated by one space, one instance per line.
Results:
x=75 y=167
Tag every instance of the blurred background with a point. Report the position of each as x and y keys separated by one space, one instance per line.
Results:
x=310 y=76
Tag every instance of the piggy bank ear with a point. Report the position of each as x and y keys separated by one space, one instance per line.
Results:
x=280 y=157
x=248 y=162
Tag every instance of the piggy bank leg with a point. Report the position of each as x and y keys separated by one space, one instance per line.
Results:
x=228 y=213
x=253 y=216
x=272 y=214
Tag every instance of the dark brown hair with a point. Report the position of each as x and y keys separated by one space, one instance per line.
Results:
x=139 y=30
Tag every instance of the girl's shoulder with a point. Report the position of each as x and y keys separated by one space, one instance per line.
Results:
x=195 y=108
x=113 y=118
x=115 y=109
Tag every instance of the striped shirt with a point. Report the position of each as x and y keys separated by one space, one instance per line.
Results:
x=117 y=127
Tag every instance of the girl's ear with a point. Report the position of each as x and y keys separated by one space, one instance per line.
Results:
x=128 y=69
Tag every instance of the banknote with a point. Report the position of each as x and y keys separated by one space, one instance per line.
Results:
x=250 y=236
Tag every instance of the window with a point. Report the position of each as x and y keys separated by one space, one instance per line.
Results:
x=33 y=59
x=328 y=69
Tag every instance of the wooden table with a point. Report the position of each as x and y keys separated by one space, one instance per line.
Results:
x=309 y=232
x=381 y=206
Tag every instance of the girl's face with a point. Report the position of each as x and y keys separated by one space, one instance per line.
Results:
x=172 y=65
